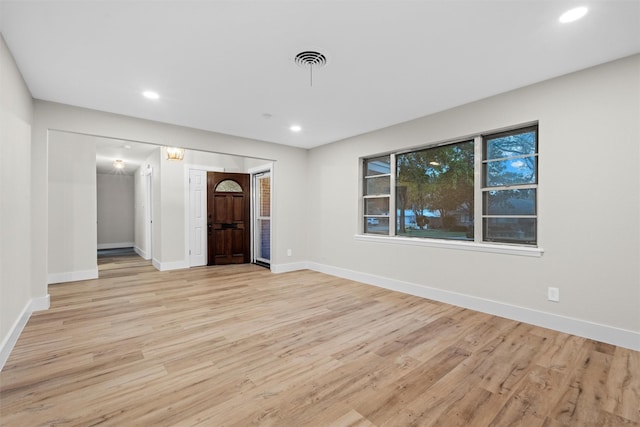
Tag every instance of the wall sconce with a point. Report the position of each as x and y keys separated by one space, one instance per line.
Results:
x=118 y=164
x=175 y=153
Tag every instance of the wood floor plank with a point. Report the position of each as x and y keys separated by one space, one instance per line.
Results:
x=351 y=419
x=533 y=399
x=389 y=404
x=582 y=400
x=240 y=346
x=623 y=386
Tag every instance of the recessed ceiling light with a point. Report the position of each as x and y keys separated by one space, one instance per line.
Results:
x=150 y=94
x=573 y=14
x=295 y=128
x=118 y=164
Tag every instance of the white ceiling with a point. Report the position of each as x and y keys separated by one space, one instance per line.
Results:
x=133 y=154
x=222 y=65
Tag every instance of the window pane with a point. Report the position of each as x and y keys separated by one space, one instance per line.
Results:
x=377 y=185
x=510 y=202
x=510 y=230
x=376 y=226
x=511 y=172
x=377 y=166
x=376 y=206
x=456 y=227
x=434 y=194
x=263 y=239
x=265 y=196
x=519 y=144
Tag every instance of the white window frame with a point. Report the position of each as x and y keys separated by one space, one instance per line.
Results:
x=392 y=201
x=477 y=244
x=485 y=188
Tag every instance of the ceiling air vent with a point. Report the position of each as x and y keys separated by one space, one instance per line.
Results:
x=311 y=59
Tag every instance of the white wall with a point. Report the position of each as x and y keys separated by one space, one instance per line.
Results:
x=254 y=163
x=205 y=159
x=588 y=131
x=289 y=178
x=115 y=210
x=589 y=208
x=16 y=118
x=171 y=208
x=72 y=230
x=170 y=202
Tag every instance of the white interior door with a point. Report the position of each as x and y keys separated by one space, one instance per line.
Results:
x=197 y=217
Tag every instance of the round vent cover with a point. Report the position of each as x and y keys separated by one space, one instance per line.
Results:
x=310 y=58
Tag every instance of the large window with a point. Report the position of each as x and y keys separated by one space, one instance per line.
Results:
x=482 y=189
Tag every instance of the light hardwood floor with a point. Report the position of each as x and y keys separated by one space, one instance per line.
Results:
x=239 y=346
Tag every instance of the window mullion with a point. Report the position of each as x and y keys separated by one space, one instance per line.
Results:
x=510 y=216
x=392 y=195
x=511 y=187
x=477 y=188
x=377 y=176
x=518 y=156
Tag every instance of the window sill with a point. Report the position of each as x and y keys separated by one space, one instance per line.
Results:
x=449 y=244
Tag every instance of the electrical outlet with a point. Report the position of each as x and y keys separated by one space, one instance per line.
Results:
x=553 y=294
x=289 y=252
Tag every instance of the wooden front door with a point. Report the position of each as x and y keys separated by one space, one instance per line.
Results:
x=228 y=217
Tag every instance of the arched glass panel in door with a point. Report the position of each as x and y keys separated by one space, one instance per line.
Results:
x=228 y=186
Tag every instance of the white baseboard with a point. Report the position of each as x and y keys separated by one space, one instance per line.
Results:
x=140 y=252
x=41 y=303
x=115 y=245
x=72 y=276
x=167 y=266
x=286 y=268
x=607 y=334
x=10 y=340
